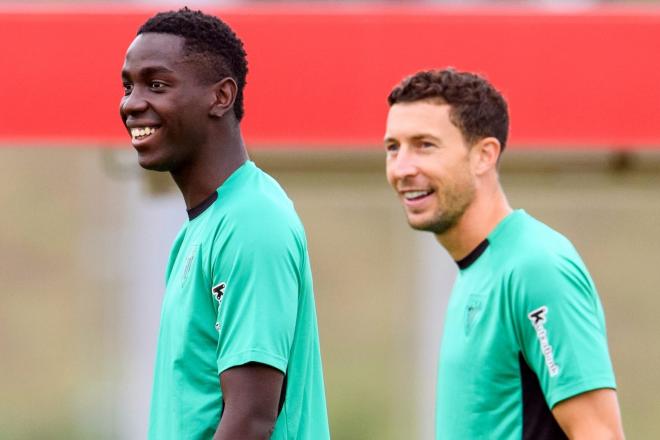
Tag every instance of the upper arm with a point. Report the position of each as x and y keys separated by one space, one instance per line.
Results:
x=591 y=415
x=252 y=385
x=252 y=394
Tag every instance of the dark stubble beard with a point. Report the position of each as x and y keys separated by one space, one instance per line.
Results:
x=454 y=202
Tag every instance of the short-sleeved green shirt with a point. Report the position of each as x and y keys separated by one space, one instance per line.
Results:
x=524 y=330
x=239 y=290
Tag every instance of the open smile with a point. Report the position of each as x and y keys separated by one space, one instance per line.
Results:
x=141 y=133
x=142 y=137
x=417 y=197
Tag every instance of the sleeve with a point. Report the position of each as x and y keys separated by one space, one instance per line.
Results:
x=255 y=278
x=561 y=327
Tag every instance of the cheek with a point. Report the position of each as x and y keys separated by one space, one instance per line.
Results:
x=389 y=174
x=192 y=115
x=462 y=184
x=436 y=174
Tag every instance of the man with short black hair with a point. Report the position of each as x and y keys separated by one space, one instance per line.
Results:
x=238 y=351
x=524 y=350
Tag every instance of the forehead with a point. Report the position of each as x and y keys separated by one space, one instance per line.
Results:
x=414 y=118
x=154 y=49
x=411 y=119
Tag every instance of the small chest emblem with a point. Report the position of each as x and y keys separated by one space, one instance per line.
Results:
x=473 y=309
x=186 y=267
x=188 y=264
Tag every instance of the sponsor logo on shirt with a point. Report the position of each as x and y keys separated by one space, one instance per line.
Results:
x=538 y=318
x=218 y=292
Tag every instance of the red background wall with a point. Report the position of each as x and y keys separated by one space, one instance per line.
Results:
x=319 y=76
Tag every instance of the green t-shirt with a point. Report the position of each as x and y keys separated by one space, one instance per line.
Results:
x=238 y=290
x=524 y=330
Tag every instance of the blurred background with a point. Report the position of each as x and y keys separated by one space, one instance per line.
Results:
x=85 y=233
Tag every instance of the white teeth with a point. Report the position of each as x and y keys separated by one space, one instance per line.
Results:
x=144 y=131
x=409 y=195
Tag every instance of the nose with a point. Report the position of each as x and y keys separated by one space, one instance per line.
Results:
x=402 y=165
x=133 y=103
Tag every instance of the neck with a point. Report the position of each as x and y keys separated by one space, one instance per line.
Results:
x=199 y=178
x=480 y=218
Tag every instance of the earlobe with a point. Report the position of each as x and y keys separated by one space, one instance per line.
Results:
x=224 y=95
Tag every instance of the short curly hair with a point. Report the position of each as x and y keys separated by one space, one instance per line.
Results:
x=477 y=108
x=211 y=39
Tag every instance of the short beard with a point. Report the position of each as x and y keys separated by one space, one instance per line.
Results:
x=441 y=224
x=457 y=203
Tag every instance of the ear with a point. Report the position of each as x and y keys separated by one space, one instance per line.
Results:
x=224 y=95
x=485 y=154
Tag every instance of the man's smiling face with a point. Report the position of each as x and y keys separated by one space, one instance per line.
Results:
x=428 y=164
x=165 y=106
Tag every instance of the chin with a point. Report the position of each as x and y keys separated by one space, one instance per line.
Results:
x=147 y=165
x=436 y=225
x=420 y=224
x=151 y=163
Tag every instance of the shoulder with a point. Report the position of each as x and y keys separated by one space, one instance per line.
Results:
x=256 y=210
x=542 y=261
x=534 y=246
x=261 y=200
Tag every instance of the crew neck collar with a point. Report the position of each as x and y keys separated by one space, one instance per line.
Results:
x=474 y=255
x=196 y=211
x=467 y=261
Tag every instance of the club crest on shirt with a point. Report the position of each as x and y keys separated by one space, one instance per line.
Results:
x=188 y=264
x=473 y=309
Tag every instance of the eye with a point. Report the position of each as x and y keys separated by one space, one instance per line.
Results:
x=427 y=144
x=157 y=85
x=391 y=148
x=128 y=88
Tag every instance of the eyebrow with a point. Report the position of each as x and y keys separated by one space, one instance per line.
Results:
x=148 y=71
x=416 y=138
